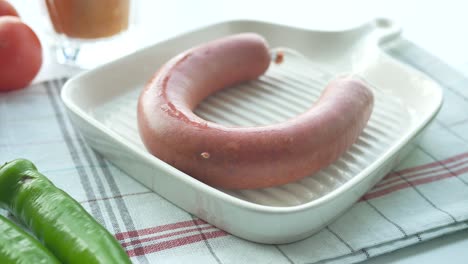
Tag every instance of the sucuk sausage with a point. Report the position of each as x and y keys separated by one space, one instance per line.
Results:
x=244 y=157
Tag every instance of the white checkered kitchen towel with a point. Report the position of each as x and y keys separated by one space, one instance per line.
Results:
x=426 y=197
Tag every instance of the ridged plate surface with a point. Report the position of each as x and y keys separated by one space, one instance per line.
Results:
x=286 y=90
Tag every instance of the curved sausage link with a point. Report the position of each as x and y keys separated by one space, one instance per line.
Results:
x=244 y=157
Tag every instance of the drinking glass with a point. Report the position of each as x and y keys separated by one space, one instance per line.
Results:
x=89 y=33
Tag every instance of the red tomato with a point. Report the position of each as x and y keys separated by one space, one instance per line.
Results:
x=20 y=54
x=6 y=9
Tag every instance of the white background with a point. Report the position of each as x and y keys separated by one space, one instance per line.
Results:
x=441 y=27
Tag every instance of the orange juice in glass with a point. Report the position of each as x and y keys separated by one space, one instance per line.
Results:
x=87 y=30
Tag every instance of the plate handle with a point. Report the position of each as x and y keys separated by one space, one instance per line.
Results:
x=384 y=30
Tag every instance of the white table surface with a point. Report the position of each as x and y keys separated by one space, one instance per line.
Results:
x=437 y=26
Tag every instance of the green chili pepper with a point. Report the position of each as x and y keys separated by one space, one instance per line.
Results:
x=17 y=246
x=56 y=219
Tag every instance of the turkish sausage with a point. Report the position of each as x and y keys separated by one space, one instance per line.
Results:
x=244 y=157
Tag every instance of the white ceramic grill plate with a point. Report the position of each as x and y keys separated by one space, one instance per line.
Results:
x=102 y=103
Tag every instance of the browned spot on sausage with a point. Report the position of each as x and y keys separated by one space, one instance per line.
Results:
x=279 y=58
